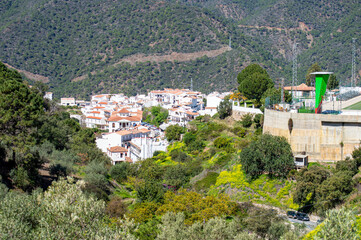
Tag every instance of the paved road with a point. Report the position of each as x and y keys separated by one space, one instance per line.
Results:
x=309 y=224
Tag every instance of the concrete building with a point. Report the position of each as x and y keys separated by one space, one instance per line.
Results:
x=323 y=137
x=119 y=154
x=301 y=91
x=49 y=95
x=67 y=101
x=143 y=148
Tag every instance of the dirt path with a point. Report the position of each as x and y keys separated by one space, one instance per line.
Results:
x=31 y=76
x=301 y=26
x=174 y=56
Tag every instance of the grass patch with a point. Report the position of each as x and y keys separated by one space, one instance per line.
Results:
x=124 y=194
x=356 y=106
x=209 y=180
x=264 y=190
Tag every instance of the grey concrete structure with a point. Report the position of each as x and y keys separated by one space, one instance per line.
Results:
x=322 y=137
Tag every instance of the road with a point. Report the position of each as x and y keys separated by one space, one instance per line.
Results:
x=309 y=224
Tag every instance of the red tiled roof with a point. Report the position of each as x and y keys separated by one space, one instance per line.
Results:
x=128 y=159
x=123 y=132
x=104 y=103
x=211 y=107
x=123 y=111
x=142 y=130
x=117 y=118
x=99 y=107
x=94 y=117
x=192 y=113
x=117 y=149
x=301 y=87
x=94 y=112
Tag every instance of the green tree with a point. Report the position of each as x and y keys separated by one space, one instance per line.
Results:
x=334 y=190
x=63 y=211
x=339 y=224
x=254 y=82
x=20 y=111
x=332 y=82
x=224 y=108
x=311 y=78
x=308 y=181
x=269 y=154
x=247 y=120
x=120 y=171
x=173 y=132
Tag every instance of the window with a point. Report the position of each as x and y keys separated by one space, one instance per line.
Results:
x=113 y=125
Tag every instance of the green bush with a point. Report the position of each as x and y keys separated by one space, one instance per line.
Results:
x=247 y=120
x=120 y=171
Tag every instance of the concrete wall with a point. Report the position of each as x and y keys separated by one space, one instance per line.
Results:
x=238 y=112
x=319 y=135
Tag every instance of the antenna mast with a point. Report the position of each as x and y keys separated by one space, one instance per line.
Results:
x=294 y=68
x=282 y=92
x=353 y=76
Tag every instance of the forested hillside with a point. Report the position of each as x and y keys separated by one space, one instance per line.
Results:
x=81 y=45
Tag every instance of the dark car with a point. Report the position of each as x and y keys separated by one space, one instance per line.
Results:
x=291 y=214
x=302 y=216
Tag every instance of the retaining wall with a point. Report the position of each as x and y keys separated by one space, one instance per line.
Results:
x=318 y=135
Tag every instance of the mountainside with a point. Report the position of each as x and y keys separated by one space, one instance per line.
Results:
x=86 y=47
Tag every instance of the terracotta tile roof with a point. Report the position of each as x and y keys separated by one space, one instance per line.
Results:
x=123 y=110
x=211 y=107
x=192 y=113
x=94 y=112
x=116 y=118
x=128 y=159
x=103 y=103
x=123 y=132
x=117 y=149
x=301 y=87
x=142 y=130
x=99 y=107
x=94 y=117
x=99 y=96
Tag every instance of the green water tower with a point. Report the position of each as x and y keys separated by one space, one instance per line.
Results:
x=321 y=79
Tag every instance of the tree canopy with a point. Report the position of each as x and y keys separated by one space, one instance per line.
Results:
x=254 y=82
x=311 y=78
x=269 y=154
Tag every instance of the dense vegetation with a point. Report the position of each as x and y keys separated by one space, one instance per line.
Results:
x=56 y=184
x=65 y=40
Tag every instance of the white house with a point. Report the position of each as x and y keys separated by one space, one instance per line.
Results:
x=301 y=91
x=119 y=138
x=49 y=95
x=67 y=101
x=119 y=154
x=143 y=148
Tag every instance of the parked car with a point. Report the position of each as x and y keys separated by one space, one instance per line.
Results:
x=302 y=216
x=291 y=214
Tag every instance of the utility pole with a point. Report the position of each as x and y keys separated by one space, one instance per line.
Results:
x=230 y=42
x=353 y=75
x=294 y=68
x=282 y=93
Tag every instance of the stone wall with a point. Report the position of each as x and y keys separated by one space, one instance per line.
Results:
x=318 y=135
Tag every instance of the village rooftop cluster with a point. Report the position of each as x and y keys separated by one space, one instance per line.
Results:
x=129 y=139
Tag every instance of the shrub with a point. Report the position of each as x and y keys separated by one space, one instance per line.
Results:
x=116 y=208
x=120 y=171
x=247 y=120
